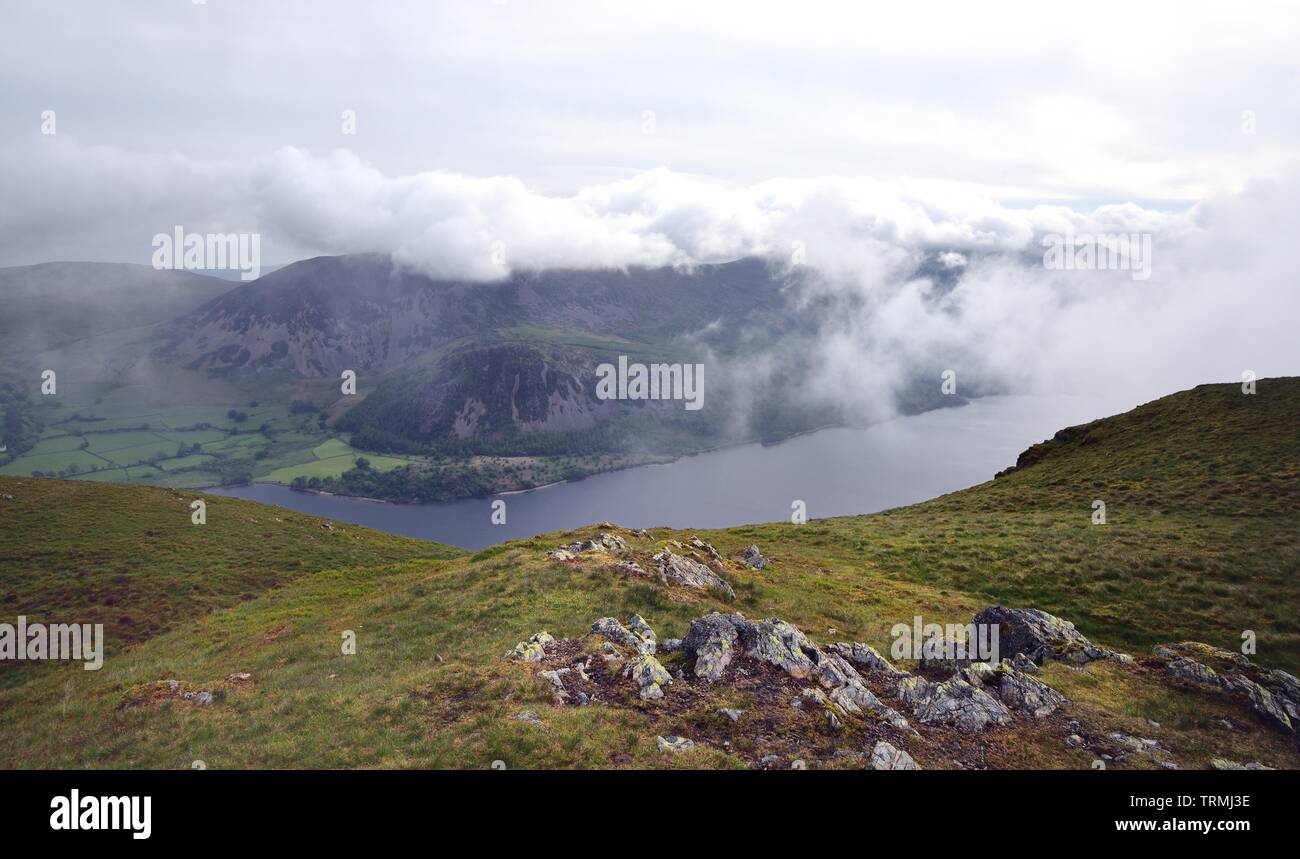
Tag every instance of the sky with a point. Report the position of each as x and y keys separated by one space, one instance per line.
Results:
x=472 y=139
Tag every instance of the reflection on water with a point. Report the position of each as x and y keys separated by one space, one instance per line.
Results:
x=835 y=472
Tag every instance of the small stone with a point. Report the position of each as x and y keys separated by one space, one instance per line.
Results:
x=531 y=718
x=885 y=756
x=730 y=713
x=754 y=558
x=674 y=744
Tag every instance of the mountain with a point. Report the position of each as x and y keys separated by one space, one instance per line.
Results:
x=461 y=388
x=365 y=313
x=56 y=303
x=1201 y=544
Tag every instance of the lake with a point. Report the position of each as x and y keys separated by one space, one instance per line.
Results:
x=835 y=472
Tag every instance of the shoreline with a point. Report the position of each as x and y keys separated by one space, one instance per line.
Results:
x=649 y=463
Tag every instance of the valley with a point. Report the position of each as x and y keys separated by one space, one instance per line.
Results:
x=462 y=389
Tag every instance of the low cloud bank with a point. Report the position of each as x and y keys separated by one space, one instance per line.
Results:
x=909 y=277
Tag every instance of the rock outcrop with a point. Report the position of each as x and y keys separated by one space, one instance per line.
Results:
x=534 y=649
x=715 y=639
x=1017 y=690
x=1273 y=693
x=677 y=569
x=754 y=558
x=867 y=658
x=955 y=702
x=886 y=757
x=1040 y=636
x=609 y=544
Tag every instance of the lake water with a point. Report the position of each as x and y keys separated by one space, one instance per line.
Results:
x=835 y=472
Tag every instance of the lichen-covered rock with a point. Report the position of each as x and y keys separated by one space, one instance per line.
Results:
x=831 y=669
x=1142 y=745
x=532 y=650
x=811 y=699
x=637 y=625
x=1014 y=688
x=631 y=568
x=697 y=543
x=954 y=702
x=712 y=640
x=683 y=571
x=1261 y=699
x=674 y=744
x=865 y=657
x=887 y=757
x=1039 y=635
x=1224 y=764
x=857 y=698
x=754 y=558
x=1272 y=693
x=619 y=634
x=556 y=679
x=778 y=643
x=649 y=675
x=602 y=543
x=530 y=717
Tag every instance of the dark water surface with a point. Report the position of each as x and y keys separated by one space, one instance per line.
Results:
x=835 y=472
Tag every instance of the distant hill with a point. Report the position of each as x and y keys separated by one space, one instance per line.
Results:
x=56 y=303
x=1201 y=543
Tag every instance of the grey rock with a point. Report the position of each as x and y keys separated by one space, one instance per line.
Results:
x=556 y=679
x=649 y=675
x=601 y=543
x=532 y=650
x=754 y=558
x=955 y=702
x=885 y=756
x=1141 y=745
x=730 y=713
x=637 y=625
x=778 y=643
x=674 y=744
x=619 y=634
x=711 y=639
x=1019 y=691
x=867 y=658
x=530 y=717
x=857 y=698
x=1224 y=764
x=1039 y=635
x=676 y=569
x=631 y=568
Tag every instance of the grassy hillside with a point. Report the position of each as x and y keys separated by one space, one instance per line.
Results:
x=1201 y=542
x=131 y=559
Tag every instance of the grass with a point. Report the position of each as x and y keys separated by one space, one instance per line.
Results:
x=1201 y=542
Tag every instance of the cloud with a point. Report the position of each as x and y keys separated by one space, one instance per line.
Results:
x=905 y=277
